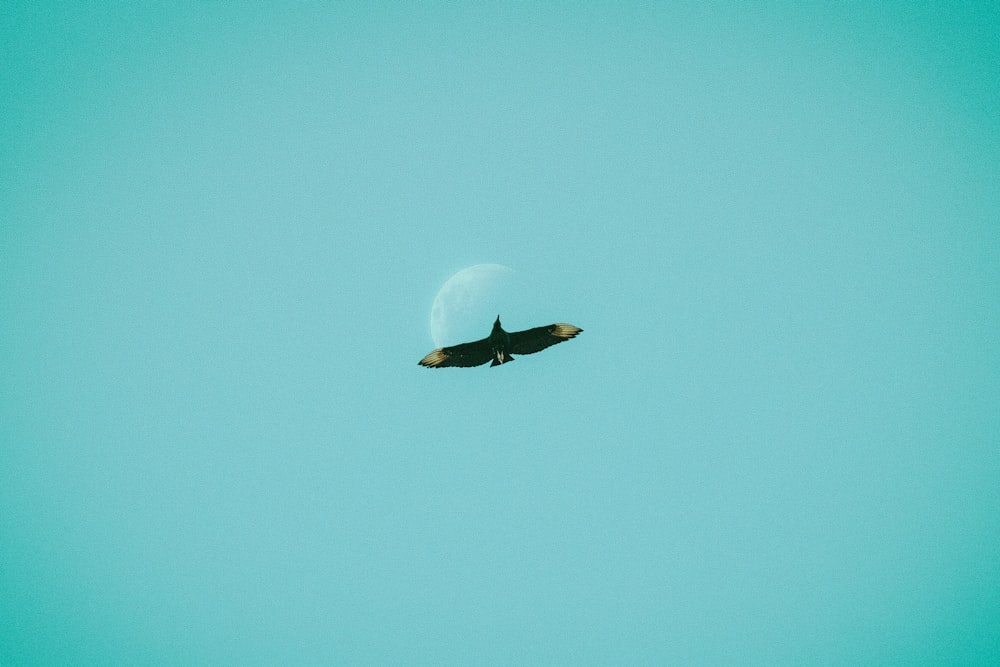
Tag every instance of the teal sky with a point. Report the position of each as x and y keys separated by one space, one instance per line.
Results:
x=777 y=441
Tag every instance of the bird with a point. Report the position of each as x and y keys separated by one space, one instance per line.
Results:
x=499 y=345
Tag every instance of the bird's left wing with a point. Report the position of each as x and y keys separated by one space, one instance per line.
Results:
x=466 y=354
x=539 y=338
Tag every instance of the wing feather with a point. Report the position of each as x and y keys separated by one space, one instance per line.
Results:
x=530 y=341
x=465 y=355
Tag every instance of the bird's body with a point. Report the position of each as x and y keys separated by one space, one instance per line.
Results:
x=499 y=345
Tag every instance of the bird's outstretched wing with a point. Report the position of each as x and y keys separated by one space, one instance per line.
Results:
x=539 y=338
x=466 y=354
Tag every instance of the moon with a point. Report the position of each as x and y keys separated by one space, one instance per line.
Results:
x=462 y=307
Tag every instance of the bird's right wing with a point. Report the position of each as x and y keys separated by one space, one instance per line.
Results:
x=539 y=338
x=466 y=354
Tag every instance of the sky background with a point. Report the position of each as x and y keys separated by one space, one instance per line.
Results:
x=777 y=441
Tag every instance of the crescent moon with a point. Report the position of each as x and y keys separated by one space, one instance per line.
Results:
x=456 y=307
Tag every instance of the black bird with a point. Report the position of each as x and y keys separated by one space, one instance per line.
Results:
x=499 y=346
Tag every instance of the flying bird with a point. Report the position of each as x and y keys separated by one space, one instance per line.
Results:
x=499 y=346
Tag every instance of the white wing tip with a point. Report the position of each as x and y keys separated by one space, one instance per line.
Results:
x=566 y=331
x=435 y=358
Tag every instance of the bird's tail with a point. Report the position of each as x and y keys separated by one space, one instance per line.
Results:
x=501 y=359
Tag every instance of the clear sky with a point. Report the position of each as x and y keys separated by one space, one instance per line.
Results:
x=777 y=441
